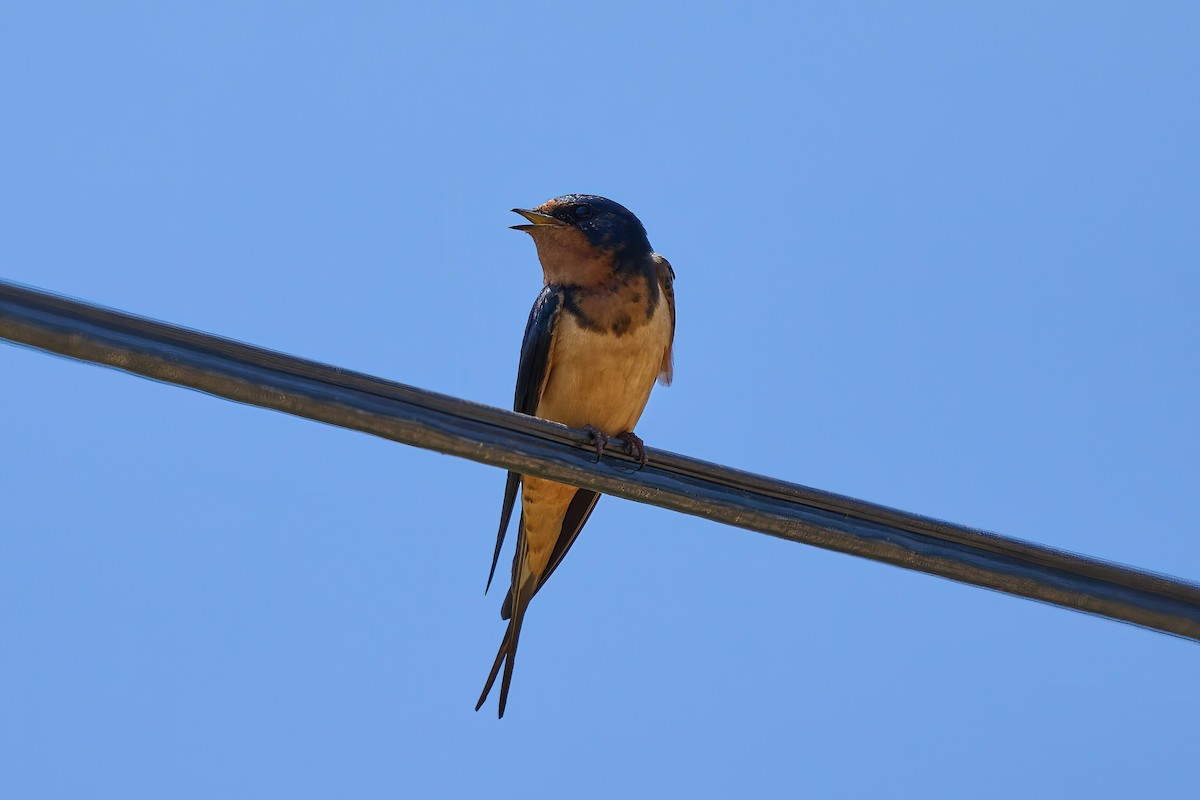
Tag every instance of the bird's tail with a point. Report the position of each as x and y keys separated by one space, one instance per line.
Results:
x=506 y=657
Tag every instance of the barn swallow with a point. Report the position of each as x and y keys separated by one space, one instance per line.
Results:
x=598 y=336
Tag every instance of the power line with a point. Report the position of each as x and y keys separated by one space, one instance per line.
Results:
x=253 y=375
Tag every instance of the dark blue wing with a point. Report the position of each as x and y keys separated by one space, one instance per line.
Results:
x=535 y=350
x=531 y=379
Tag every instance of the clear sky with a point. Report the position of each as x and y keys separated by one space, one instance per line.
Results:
x=939 y=256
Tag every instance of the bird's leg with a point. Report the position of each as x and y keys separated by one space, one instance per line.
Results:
x=599 y=437
x=635 y=447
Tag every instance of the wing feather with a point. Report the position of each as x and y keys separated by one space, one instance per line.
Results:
x=532 y=373
x=666 y=280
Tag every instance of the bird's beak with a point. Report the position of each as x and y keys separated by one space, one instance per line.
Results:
x=537 y=218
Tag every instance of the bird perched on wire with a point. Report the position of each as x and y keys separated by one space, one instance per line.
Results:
x=598 y=336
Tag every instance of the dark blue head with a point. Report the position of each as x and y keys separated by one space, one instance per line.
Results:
x=608 y=225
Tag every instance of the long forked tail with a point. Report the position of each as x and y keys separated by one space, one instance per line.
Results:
x=507 y=655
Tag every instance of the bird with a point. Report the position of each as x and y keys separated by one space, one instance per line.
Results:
x=600 y=333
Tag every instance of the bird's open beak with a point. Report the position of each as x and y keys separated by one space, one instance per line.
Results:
x=537 y=218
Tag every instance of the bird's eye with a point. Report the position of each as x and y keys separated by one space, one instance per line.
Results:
x=583 y=211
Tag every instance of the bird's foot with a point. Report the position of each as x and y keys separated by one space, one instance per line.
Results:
x=599 y=437
x=635 y=447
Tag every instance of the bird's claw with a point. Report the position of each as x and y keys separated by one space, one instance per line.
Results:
x=599 y=437
x=635 y=447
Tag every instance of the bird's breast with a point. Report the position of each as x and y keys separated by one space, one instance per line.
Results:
x=603 y=377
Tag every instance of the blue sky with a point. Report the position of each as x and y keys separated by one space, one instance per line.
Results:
x=938 y=256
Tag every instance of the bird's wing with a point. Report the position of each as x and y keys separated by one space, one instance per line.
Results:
x=666 y=280
x=531 y=380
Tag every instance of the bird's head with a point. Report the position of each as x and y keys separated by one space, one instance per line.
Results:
x=583 y=239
